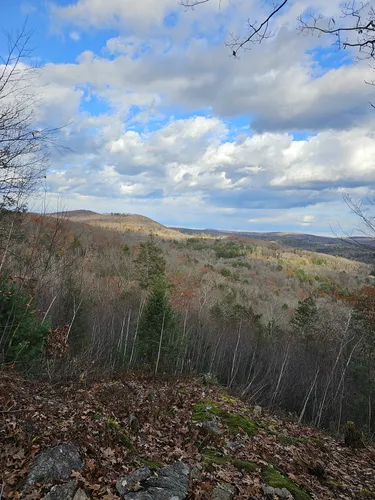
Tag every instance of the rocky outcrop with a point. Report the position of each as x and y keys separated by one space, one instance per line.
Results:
x=271 y=493
x=223 y=491
x=168 y=483
x=54 y=464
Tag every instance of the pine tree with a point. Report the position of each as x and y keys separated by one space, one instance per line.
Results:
x=158 y=327
x=150 y=263
x=22 y=335
x=305 y=317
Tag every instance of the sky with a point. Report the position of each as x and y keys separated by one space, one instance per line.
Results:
x=158 y=119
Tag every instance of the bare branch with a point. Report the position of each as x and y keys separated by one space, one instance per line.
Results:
x=24 y=148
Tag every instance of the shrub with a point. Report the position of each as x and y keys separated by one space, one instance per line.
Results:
x=22 y=335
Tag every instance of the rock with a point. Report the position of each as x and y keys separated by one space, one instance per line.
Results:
x=62 y=491
x=211 y=426
x=139 y=495
x=234 y=445
x=272 y=493
x=54 y=464
x=169 y=483
x=128 y=482
x=223 y=491
x=257 y=412
x=80 y=495
x=196 y=474
x=174 y=479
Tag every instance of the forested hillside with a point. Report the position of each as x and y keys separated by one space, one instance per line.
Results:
x=283 y=327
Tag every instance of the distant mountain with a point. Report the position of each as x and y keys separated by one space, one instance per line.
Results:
x=121 y=222
x=75 y=213
x=358 y=248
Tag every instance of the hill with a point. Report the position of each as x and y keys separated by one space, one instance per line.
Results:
x=358 y=248
x=121 y=222
x=120 y=425
x=74 y=213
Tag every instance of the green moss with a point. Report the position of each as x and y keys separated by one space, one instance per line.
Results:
x=228 y=399
x=203 y=412
x=152 y=464
x=97 y=416
x=274 y=478
x=237 y=423
x=245 y=465
x=287 y=440
x=334 y=484
x=212 y=457
x=116 y=427
x=365 y=493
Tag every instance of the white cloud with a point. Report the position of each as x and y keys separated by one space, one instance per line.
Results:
x=160 y=116
x=74 y=35
x=113 y=13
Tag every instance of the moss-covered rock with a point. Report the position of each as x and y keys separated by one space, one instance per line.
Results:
x=203 y=412
x=245 y=465
x=206 y=411
x=212 y=458
x=237 y=423
x=274 y=478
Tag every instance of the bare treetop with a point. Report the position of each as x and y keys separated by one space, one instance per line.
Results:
x=355 y=27
x=24 y=147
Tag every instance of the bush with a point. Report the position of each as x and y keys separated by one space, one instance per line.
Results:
x=22 y=335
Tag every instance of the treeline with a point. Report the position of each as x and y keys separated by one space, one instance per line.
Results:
x=79 y=302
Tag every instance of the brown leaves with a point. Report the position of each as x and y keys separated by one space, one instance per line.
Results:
x=165 y=433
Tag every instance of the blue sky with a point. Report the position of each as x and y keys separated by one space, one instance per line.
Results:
x=160 y=120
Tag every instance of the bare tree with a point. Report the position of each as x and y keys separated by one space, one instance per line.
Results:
x=24 y=148
x=355 y=27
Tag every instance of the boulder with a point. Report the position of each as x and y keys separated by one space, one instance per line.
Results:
x=272 y=493
x=168 y=483
x=67 y=491
x=62 y=491
x=223 y=491
x=127 y=483
x=211 y=426
x=54 y=464
x=80 y=495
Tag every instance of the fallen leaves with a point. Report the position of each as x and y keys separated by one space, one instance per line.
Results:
x=164 y=432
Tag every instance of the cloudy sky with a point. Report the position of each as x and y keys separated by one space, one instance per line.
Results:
x=161 y=121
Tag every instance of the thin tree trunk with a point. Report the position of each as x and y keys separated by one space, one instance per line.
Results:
x=136 y=332
x=160 y=343
x=283 y=366
x=232 y=373
x=302 y=414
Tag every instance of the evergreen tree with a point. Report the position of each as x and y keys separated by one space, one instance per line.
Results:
x=158 y=327
x=150 y=263
x=305 y=318
x=22 y=335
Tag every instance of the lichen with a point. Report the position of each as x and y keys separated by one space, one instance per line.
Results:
x=274 y=478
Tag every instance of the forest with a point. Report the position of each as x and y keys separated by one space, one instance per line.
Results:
x=283 y=327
